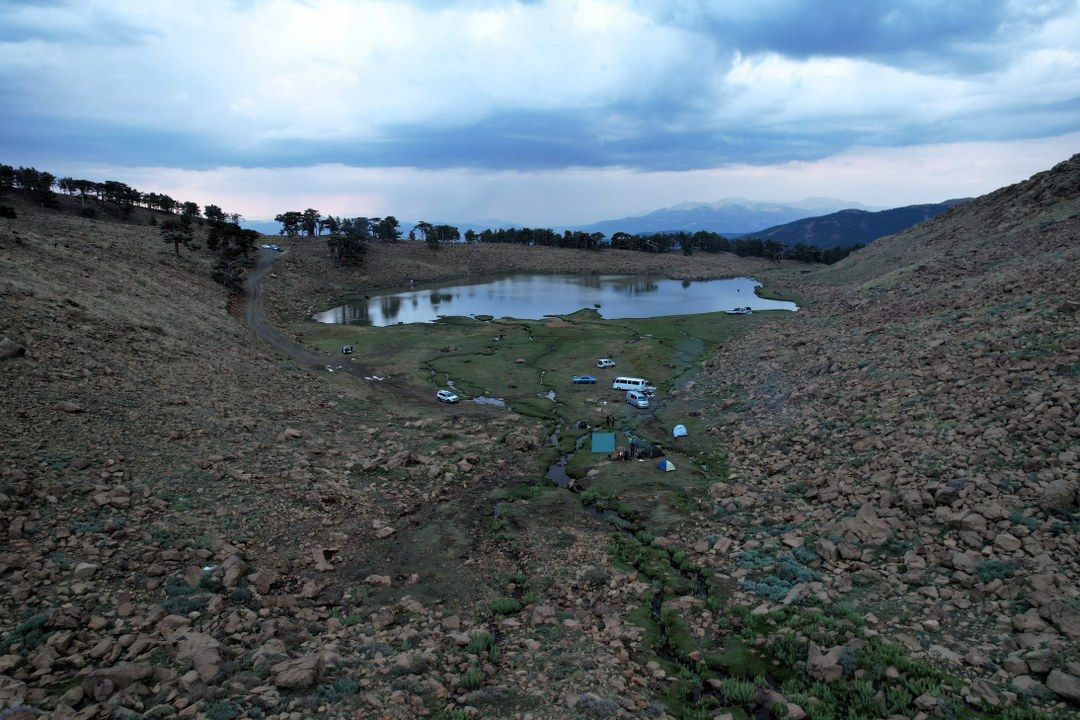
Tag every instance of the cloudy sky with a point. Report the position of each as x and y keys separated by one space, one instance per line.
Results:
x=545 y=112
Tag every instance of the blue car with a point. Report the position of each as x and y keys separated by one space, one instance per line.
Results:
x=583 y=380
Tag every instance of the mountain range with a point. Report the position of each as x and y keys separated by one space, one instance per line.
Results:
x=728 y=216
x=851 y=226
x=824 y=222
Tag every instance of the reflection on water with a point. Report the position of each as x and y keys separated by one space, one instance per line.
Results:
x=534 y=296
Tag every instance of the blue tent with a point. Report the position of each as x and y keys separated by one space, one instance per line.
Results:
x=679 y=431
x=603 y=442
x=666 y=465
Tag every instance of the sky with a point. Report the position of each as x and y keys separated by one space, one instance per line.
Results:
x=541 y=112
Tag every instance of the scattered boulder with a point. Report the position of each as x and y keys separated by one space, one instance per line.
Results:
x=825 y=666
x=1059 y=495
x=200 y=651
x=298 y=673
x=1064 y=685
x=9 y=349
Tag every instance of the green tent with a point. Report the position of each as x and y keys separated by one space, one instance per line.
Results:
x=603 y=442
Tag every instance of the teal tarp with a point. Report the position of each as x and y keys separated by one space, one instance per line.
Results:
x=603 y=442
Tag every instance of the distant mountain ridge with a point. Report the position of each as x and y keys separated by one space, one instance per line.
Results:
x=725 y=216
x=852 y=226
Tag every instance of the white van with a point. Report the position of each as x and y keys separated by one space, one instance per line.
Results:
x=629 y=383
x=638 y=400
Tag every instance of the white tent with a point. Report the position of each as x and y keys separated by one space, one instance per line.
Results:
x=679 y=431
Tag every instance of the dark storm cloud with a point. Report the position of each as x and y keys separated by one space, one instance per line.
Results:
x=712 y=83
x=958 y=36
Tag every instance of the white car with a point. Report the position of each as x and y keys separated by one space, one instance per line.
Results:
x=636 y=399
x=268 y=246
x=447 y=396
x=605 y=363
x=740 y=311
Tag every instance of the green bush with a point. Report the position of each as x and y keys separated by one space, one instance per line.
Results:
x=222 y=710
x=479 y=642
x=737 y=692
x=994 y=569
x=472 y=679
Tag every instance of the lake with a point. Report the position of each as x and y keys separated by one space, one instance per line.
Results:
x=534 y=296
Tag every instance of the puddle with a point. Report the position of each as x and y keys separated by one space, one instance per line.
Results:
x=483 y=400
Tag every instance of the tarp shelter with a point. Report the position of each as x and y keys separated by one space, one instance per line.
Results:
x=603 y=442
x=651 y=451
x=679 y=431
x=666 y=465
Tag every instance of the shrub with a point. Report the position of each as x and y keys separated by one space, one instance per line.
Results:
x=88 y=213
x=1018 y=518
x=222 y=710
x=504 y=606
x=479 y=642
x=7 y=212
x=737 y=692
x=994 y=569
x=472 y=679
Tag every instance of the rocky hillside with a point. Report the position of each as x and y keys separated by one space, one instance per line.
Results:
x=916 y=430
x=852 y=227
x=875 y=513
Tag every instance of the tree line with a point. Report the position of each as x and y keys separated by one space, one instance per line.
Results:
x=348 y=239
x=224 y=236
x=711 y=242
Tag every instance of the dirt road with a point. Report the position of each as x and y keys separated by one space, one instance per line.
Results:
x=255 y=318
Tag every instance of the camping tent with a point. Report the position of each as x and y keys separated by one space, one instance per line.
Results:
x=679 y=431
x=603 y=442
x=666 y=465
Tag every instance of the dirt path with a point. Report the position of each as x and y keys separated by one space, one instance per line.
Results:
x=255 y=318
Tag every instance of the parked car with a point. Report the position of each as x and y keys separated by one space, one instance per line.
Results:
x=605 y=363
x=346 y=349
x=636 y=399
x=447 y=396
x=583 y=380
x=269 y=246
x=740 y=311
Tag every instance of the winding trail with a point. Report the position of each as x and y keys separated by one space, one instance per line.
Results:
x=255 y=318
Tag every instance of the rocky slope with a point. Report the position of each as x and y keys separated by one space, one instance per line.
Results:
x=192 y=527
x=916 y=429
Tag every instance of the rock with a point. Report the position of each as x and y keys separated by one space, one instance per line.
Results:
x=68 y=407
x=200 y=651
x=378 y=580
x=318 y=555
x=867 y=527
x=926 y=702
x=1064 y=685
x=825 y=666
x=1007 y=542
x=9 y=349
x=384 y=532
x=1059 y=495
x=298 y=673
x=1027 y=685
x=121 y=675
x=985 y=692
x=85 y=571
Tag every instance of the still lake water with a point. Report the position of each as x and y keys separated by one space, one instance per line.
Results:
x=534 y=296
